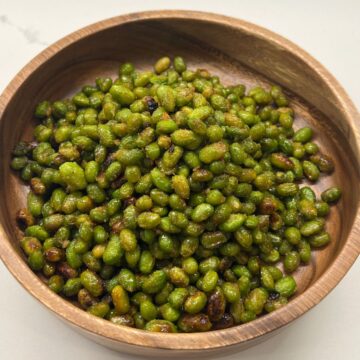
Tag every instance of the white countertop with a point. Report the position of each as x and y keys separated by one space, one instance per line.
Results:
x=327 y=29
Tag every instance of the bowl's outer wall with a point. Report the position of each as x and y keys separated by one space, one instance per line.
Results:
x=237 y=51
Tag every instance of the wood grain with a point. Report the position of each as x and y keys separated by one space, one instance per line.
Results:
x=238 y=52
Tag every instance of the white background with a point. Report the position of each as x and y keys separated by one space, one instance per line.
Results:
x=329 y=30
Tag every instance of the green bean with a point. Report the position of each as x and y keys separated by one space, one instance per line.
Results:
x=36 y=260
x=120 y=299
x=162 y=326
x=181 y=186
x=171 y=157
x=323 y=162
x=308 y=209
x=160 y=180
x=216 y=305
x=319 y=240
x=212 y=240
x=122 y=94
x=286 y=286
x=34 y=204
x=169 y=313
x=291 y=261
x=148 y=310
x=166 y=97
x=293 y=235
x=303 y=135
x=128 y=240
x=178 y=277
x=244 y=285
x=267 y=279
x=100 y=309
x=129 y=156
x=331 y=195
x=194 y=323
x=162 y=296
x=202 y=212
x=188 y=246
x=311 y=171
x=255 y=300
x=56 y=283
x=312 y=227
x=231 y=291
x=195 y=302
x=113 y=251
x=233 y=223
x=210 y=281
x=91 y=282
x=210 y=263
x=281 y=161
x=162 y=64
x=304 y=251
x=154 y=282
x=148 y=220
x=72 y=287
x=287 y=189
x=213 y=152
x=186 y=138
x=73 y=175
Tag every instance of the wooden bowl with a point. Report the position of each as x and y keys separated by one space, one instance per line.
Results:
x=238 y=52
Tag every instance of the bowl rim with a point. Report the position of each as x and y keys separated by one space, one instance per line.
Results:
x=195 y=342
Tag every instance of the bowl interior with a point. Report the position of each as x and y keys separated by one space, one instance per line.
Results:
x=236 y=56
